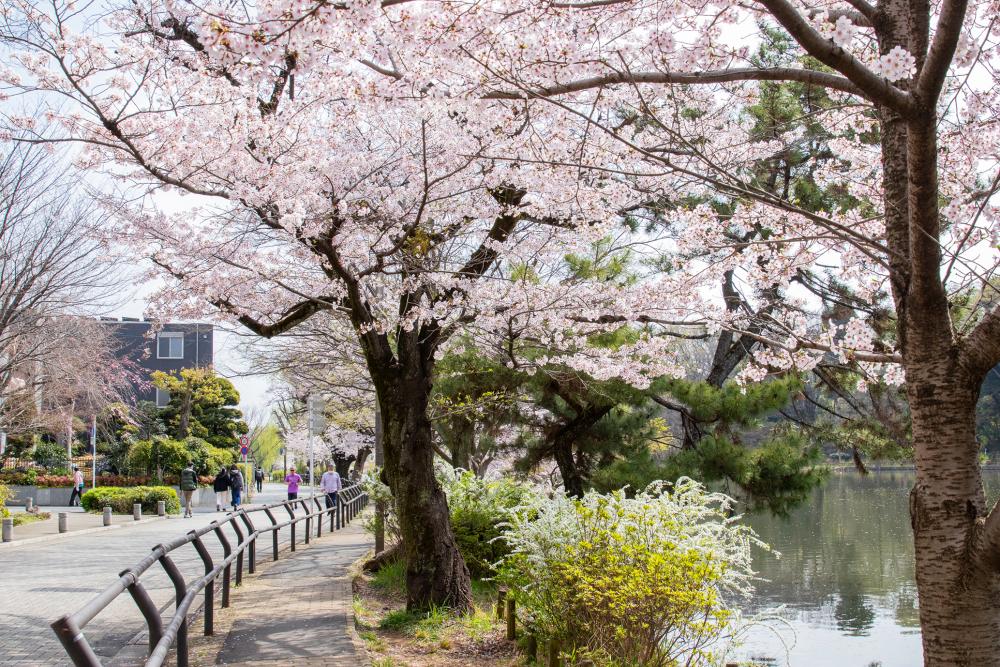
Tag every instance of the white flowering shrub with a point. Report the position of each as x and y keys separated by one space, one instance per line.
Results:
x=645 y=581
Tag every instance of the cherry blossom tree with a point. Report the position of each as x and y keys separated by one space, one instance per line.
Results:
x=404 y=221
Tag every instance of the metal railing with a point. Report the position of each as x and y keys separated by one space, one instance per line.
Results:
x=69 y=628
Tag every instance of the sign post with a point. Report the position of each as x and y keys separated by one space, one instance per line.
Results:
x=93 y=452
x=316 y=424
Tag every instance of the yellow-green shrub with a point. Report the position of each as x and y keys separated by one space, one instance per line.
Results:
x=641 y=582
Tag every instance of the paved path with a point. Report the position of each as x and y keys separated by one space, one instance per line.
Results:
x=41 y=581
x=295 y=612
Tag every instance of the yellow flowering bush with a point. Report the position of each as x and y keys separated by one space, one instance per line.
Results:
x=644 y=581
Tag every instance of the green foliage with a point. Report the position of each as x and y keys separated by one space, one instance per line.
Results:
x=161 y=455
x=202 y=405
x=391 y=577
x=49 y=455
x=121 y=499
x=267 y=445
x=478 y=509
x=641 y=581
x=5 y=495
x=777 y=472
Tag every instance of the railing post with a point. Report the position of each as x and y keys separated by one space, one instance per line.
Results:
x=206 y=558
x=180 y=590
x=75 y=643
x=252 y=536
x=239 y=557
x=305 y=505
x=553 y=653
x=291 y=513
x=501 y=602
x=319 y=516
x=274 y=531
x=226 y=550
x=147 y=607
x=511 y=619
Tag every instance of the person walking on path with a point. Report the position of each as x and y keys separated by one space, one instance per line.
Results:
x=221 y=487
x=189 y=482
x=236 y=485
x=293 y=479
x=258 y=477
x=77 y=495
x=331 y=485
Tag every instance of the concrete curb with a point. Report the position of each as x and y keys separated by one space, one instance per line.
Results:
x=84 y=531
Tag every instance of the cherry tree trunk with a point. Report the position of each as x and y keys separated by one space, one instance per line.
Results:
x=436 y=573
x=959 y=595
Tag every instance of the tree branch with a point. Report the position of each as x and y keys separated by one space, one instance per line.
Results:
x=876 y=88
x=812 y=77
x=941 y=52
x=981 y=349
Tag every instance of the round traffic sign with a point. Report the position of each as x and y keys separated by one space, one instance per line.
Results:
x=244 y=449
x=244 y=440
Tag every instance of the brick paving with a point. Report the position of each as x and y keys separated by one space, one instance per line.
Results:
x=295 y=612
x=41 y=581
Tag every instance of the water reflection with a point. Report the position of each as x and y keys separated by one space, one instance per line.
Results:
x=843 y=587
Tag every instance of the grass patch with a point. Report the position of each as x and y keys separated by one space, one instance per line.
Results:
x=477 y=623
x=373 y=641
x=384 y=662
x=24 y=518
x=399 y=620
x=391 y=578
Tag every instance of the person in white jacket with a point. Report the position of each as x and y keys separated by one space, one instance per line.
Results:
x=331 y=485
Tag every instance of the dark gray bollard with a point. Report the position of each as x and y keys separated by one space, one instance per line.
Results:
x=161 y=508
x=8 y=530
x=107 y=516
x=63 y=522
x=137 y=511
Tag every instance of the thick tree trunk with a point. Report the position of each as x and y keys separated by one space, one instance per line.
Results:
x=571 y=478
x=436 y=573
x=959 y=595
x=958 y=588
x=359 y=463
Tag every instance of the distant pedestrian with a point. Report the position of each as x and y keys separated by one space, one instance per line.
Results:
x=293 y=479
x=331 y=485
x=236 y=485
x=189 y=483
x=258 y=477
x=77 y=494
x=221 y=487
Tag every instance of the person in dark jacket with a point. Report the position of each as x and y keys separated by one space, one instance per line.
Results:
x=221 y=487
x=189 y=483
x=235 y=485
x=258 y=477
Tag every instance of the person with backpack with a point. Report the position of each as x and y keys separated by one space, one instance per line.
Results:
x=258 y=477
x=221 y=487
x=236 y=485
x=189 y=483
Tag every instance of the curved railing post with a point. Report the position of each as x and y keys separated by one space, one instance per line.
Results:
x=274 y=531
x=226 y=550
x=154 y=624
x=180 y=590
x=252 y=536
x=206 y=559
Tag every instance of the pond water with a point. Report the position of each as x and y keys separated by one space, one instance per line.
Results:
x=842 y=594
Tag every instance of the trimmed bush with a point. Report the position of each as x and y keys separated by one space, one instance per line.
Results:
x=121 y=499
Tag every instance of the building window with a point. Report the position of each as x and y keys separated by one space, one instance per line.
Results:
x=162 y=398
x=170 y=345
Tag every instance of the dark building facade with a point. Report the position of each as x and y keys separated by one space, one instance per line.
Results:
x=162 y=347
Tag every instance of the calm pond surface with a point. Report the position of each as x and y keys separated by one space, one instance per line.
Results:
x=843 y=587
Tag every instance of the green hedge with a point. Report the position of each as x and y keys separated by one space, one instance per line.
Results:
x=121 y=499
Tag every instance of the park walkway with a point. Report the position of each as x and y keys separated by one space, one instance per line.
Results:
x=295 y=612
x=40 y=581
